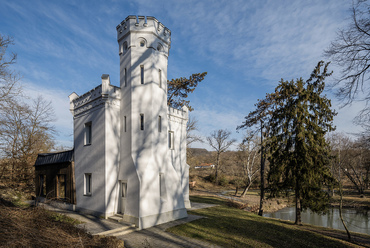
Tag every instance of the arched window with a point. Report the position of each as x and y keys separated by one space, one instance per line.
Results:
x=159 y=47
x=142 y=42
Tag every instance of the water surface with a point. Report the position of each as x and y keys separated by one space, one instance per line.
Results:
x=356 y=221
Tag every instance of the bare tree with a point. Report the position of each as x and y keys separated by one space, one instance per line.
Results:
x=248 y=158
x=192 y=126
x=25 y=128
x=26 y=131
x=8 y=79
x=356 y=168
x=351 y=51
x=339 y=144
x=351 y=160
x=220 y=141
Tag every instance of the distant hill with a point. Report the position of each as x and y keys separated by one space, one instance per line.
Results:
x=198 y=151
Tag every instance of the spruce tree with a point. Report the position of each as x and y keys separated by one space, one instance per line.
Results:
x=299 y=154
x=297 y=116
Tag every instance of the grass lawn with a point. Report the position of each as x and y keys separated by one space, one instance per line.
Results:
x=231 y=227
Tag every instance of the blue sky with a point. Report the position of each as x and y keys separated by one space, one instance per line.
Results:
x=246 y=47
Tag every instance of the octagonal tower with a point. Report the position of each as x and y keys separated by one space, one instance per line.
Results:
x=150 y=188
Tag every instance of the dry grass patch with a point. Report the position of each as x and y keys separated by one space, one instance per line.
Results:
x=37 y=227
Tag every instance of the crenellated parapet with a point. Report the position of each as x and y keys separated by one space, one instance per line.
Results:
x=178 y=115
x=137 y=31
x=99 y=96
x=143 y=23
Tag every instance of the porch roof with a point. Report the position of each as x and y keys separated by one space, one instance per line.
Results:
x=55 y=158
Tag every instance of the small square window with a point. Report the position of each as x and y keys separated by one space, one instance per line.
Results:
x=87 y=133
x=87 y=184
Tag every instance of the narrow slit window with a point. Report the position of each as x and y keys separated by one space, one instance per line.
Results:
x=142 y=74
x=125 y=123
x=87 y=133
x=88 y=184
x=123 y=190
x=159 y=123
x=125 y=77
x=162 y=187
x=160 y=78
x=170 y=140
x=141 y=121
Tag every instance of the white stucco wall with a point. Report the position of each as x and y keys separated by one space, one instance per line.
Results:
x=149 y=154
x=99 y=106
x=178 y=119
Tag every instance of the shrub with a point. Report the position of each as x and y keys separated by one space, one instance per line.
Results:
x=211 y=177
x=235 y=204
x=223 y=181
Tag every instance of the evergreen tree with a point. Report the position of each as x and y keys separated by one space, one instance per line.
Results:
x=296 y=118
x=179 y=88
x=299 y=153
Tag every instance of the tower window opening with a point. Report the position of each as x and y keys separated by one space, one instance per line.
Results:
x=142 y=43
x=171 y=140
x=159 y=123
x=160 y=78
x=159 y=48
x=88 y=184
x=162 y=187
x=142 y=74
x=87 y=133
x=125 y=123
x=125 y=77
x=141 y=121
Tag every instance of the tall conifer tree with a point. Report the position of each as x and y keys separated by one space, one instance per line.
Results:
x=297 y=116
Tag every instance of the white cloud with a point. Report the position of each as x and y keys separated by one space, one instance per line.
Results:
x=60 y=103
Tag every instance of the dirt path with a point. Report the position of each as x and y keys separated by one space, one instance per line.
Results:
x=252 y=201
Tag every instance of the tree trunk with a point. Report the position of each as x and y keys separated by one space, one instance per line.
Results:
x=340 y=211
x=260 y=211
x=246 y=189
x=217 y=168
x=298 y=210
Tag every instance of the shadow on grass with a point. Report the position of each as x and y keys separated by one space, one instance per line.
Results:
x=208 y=200
x=230 y=227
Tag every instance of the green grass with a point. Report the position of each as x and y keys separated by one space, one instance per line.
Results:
x=230 y=227
x=63 y=218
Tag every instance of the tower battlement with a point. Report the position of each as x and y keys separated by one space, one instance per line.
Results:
x=143 y=23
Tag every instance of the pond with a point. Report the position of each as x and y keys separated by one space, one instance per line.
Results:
x=356 y=221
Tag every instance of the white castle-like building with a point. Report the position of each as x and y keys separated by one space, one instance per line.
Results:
x=129 y=146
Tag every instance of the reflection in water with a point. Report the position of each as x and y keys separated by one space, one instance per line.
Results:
x=357 y=221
